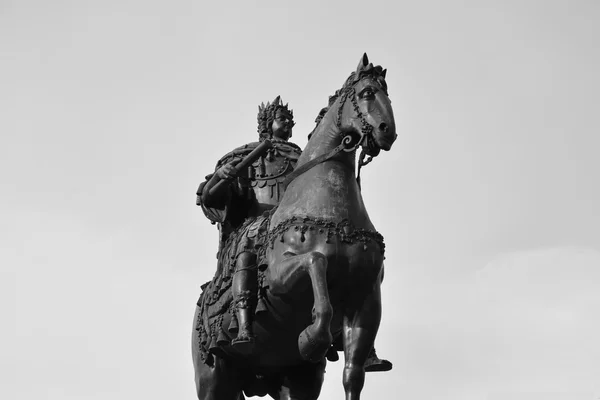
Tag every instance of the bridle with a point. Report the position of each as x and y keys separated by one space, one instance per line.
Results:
x=349 y=142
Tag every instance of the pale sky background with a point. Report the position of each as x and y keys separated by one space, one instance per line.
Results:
x=112 y=112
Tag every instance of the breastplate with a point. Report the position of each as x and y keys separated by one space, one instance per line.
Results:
x=268 y=173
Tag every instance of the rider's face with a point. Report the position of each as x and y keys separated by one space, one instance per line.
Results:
x=282 y=125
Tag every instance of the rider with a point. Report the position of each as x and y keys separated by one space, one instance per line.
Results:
x=247 y=196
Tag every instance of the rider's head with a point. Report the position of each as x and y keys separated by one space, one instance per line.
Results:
x=275 y=120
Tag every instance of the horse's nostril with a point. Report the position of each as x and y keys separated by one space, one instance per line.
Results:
x=383 y=127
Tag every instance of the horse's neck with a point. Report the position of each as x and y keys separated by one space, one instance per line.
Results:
x=329 y=189
x=324 y=139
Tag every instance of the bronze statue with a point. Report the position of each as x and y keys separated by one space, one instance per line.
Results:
x=299 y=269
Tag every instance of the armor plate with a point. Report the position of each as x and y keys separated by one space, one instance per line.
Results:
x=267 y=174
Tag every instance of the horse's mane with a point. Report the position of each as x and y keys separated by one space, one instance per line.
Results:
x=375 y=72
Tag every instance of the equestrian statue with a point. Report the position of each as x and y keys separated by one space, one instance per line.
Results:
x=300 y=264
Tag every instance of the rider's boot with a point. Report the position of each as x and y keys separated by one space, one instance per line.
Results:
x=375 y=364
x=245 y=336
x=244 y=294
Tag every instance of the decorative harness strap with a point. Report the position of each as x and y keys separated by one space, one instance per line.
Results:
x=317 y=160
x=328 y=156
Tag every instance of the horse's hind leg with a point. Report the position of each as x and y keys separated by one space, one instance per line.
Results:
x=287 y=277
x=361 y=322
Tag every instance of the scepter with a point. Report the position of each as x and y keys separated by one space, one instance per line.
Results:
x=216 y=185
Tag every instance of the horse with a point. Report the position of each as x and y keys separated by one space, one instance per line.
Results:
x=323 y=262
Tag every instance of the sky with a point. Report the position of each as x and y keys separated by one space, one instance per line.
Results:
x=112 y=112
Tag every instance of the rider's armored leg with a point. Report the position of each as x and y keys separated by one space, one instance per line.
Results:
x=244 y=288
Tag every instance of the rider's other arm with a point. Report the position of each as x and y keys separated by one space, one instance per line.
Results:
x=216 y=213
x=213 y=195
x=218 y=205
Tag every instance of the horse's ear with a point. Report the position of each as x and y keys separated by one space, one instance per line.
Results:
x=364 y=61
x=383 y=73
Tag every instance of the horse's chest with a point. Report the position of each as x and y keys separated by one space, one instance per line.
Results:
x=352 y=253
x=356 y=264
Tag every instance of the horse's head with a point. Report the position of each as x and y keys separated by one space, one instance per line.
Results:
x=368 y=116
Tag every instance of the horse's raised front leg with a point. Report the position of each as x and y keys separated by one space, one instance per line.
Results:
x=289 y=276
x=361 y=322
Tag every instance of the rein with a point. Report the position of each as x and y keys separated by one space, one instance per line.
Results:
x=362 y=163
x=366 y=135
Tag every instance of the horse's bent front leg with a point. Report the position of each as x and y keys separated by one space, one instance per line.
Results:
x=286 y=277
x=361 y=323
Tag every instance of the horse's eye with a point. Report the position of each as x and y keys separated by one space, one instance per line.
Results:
x=368 y=93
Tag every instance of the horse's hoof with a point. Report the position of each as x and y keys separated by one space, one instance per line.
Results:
x=332 y=354
x=377 y=365
x=314 y=346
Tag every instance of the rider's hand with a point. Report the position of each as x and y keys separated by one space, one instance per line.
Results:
x=228 y=171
